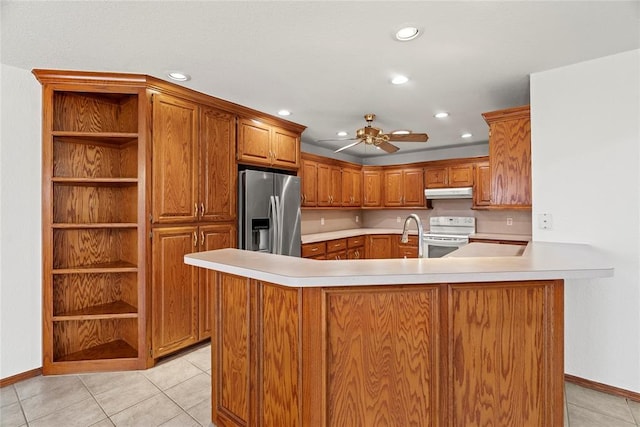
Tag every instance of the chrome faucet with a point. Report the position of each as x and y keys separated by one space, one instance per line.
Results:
x=405 y=233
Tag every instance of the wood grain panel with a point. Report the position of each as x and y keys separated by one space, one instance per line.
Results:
x=435 y=177
x=393 y=188
x=382 y=364
x=218 y=175
x=174 y=290
x=379 y=246
x=95 y=112
x=254 y=142
x=413 y=187
x=372 y=188
x=92 y=247
x=94 y=339
x=231 y=360
x=280 y=357
x=175 y=160
x=286 y=148
x=501 y=341
x=86 y=204
x=86 y=157
x=73 y=292
x=309 y=174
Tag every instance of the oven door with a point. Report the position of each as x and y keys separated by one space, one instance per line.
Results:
x=439 y=246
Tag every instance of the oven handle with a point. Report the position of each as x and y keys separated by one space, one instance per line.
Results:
x=444 y=243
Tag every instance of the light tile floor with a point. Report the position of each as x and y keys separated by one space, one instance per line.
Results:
x=176 y=392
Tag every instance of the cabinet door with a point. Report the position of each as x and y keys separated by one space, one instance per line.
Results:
x=286 y=149
x=510 y=154
x=351 y=187
x=435 y=177
x=372 y=188
x=218 y=166
x=211 y=237
x=379 y=246
x=356 y=188
x=309 y=183
x=393 y=191
x=254 y=142
x=461 y=175
x=174 y=290
x=324 y=185
x=175 y=160
x=413 y=188
x=482 y=187
x=336 y=186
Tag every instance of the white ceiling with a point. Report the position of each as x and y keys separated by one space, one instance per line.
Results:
x=330 y=62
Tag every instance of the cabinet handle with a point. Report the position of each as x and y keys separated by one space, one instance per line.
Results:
x=202 y=237
x=195 y=238
x=195 y=209
x=201 y=209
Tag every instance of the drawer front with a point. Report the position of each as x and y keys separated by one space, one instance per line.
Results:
x=354 y=242
x=336 y=245
x=313 y=249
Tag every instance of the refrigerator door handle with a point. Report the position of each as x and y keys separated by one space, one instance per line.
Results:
x=280 y=224
x=273 y=229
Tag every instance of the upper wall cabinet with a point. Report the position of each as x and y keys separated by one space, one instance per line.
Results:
x=404 y=187
x=510 y=157
x=372 y=187
x=458 y=175
x=265 y=145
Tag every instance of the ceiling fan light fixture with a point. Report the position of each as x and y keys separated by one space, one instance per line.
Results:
x=399 y=80
x=178 y=76
x=407 y=33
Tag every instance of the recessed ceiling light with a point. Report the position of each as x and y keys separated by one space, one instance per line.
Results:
x=342 y=133
x=441 y=115
x=405 y=34
x=179 y=76
x=399 y=80
x=401 y=132
x=284 y=113
x=466 y=135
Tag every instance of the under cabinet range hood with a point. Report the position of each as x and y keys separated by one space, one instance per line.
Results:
x=449 y=193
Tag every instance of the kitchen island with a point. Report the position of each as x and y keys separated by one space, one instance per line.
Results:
x=427 y=342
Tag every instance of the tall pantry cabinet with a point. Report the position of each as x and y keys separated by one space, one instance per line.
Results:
x=137 y=172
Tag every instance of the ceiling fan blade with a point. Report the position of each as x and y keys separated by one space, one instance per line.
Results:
x=389 y=148
x=333 y=139
x=348 y=146
x=409 y=137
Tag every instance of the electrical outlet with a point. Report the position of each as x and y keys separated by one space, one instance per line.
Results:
x=545 y=221
x=509 y=221
x=398 y=220
x=357 y=218
x=321 y=221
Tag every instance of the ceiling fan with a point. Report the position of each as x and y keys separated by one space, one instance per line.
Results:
x=374 y=136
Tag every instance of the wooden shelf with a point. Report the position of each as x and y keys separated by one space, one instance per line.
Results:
x=114 y=310
x=107 y=267
x=96 y=225
x=118 y=349
x=94 y=181
x=109 y=138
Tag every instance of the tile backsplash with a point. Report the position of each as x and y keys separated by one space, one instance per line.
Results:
x=494 y=221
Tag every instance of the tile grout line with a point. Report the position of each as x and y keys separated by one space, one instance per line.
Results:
x=96 y=400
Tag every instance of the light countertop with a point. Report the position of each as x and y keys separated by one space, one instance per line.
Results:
x=342 y=234
x=478 y=249
x=501 y=236
x=540 y=261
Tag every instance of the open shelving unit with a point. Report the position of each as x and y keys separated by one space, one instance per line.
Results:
x=93 y=227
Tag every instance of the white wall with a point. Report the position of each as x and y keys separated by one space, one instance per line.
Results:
x=20 y=222
x=586 y=173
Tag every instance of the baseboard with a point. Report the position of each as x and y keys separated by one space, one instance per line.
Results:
x=19 y=377
x=620 y=392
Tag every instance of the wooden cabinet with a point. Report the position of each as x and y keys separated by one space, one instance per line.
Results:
x=329 y=185
x=372 y=187
x=409 y=355
x=266 y=145
x=337 y=249
x=93 y=225
x=355 y=247
x=456 y=175
x=181 y=294
x=314 y=250
x=379 y=246
x=510 y=157
x=405 y=250
x=482 y=185
x=404 y=188
x=351 y=187
x=309 y=178
x=194 y=173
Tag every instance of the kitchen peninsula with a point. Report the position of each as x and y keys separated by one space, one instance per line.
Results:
x=425 y=342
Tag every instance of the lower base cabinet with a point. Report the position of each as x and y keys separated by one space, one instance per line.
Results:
x=420 y=355
x=181 y=295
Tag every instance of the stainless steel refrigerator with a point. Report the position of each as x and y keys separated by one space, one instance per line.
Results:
x=269 y=212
